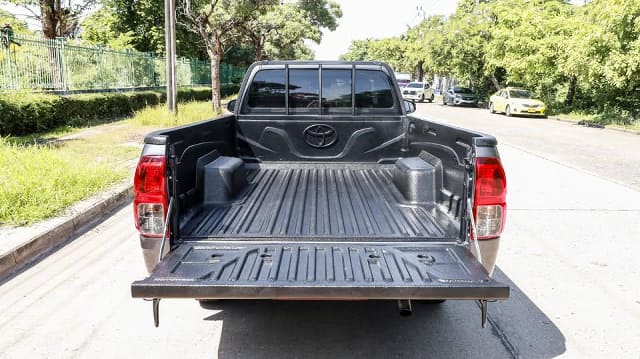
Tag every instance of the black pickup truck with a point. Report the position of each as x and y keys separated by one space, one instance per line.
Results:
x=320 y=185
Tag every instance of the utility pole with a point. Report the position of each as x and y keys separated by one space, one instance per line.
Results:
x=170 y=46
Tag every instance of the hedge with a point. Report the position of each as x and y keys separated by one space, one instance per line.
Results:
x=27 y=113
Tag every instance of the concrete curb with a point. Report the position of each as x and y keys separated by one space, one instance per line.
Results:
x=55 y=235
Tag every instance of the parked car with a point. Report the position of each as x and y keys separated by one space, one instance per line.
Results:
x=282 y=199
x=459 y=96
x=402 y=78
x=516 y=101
x=418 y=91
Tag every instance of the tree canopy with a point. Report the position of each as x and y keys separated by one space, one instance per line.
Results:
x=58 y=18
x=584 y=57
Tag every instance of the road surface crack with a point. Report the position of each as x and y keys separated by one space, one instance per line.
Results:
x=502 y=336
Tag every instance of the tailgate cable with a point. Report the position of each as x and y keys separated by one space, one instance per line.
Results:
x=484 y=304
x=156 y=301
x=473 y=232
x=164 y=230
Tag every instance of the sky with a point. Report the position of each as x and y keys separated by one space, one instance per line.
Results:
x=377 y=19
x=363 y=19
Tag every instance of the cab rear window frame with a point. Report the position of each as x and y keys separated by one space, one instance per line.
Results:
x=337 y=112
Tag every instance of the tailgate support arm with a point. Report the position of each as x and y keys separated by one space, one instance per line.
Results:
x=156 y=301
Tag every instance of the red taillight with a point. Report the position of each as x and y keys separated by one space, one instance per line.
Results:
x=150 y=195
x=489 y=205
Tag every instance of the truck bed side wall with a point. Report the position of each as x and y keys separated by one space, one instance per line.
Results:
x=453 y=146
x=185 y=145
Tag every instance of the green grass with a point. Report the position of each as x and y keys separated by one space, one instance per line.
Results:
x=42 y=174
x=36 y=182
x=158 y=116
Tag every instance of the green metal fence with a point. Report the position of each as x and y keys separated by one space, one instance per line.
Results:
x=64 y=65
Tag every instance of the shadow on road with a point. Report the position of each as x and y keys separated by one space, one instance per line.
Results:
x=373 y=329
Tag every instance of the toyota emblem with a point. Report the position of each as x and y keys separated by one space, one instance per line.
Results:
x=320 y=136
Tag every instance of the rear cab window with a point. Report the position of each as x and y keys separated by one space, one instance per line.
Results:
x=373 y=91
x=336 y=91
x=314 y=90
x=267 y=91
x=304 y=90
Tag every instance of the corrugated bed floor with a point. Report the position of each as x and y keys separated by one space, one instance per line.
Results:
x=319 y=202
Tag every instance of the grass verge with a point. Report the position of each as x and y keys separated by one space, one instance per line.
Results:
x=601 y=120
x=40 y=175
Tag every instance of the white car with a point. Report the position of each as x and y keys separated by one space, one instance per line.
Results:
x=418 y=91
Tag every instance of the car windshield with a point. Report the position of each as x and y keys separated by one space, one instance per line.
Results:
x=415 y=85
x=462 y=90
x=520 y=94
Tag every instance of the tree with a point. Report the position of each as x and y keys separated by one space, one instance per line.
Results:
x=528 y=40
x=100 y=28
x=390 y=50
x=423 y=43
x=217 y=23
x=56 y=18
x=604 y=54
x=322 y=13
x=19 y=26
x=143 y=21
x=280 y=32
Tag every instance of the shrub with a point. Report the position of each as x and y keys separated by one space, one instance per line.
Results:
x=25 y=113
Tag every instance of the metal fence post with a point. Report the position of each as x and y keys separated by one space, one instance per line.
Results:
x=61 y=59
x=9 y=70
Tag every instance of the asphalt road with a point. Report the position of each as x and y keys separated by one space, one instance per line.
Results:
x=569 y=253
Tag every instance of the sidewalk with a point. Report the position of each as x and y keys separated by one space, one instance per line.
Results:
x=21 y=246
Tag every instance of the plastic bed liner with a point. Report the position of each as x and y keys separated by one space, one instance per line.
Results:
x=322 y=201
x=209 y=270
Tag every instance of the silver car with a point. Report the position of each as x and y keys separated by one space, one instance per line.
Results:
x=459 y=96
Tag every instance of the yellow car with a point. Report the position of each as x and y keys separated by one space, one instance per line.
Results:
x=516 y=101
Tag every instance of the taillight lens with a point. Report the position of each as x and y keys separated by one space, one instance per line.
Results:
x=489 y=205
x=150 y=195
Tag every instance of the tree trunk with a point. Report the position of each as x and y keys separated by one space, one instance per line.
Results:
x=573 y=81
x=215 y=78
x=420 y=71
x=495 y=82
x=49 y=18
x=259 y=48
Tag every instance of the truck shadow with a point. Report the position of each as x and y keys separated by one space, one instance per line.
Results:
x=374 y=329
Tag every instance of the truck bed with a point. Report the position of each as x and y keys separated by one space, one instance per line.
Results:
x=322 y=201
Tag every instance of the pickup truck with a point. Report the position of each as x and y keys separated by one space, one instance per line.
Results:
x=320 y=185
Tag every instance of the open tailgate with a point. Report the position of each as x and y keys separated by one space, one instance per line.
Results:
x=223 y=270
